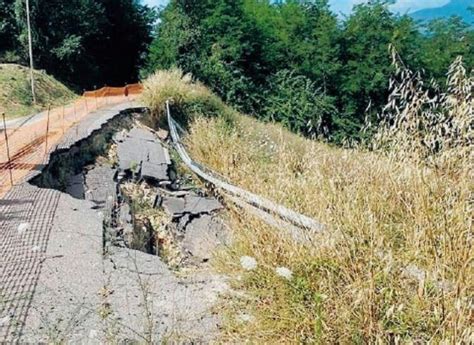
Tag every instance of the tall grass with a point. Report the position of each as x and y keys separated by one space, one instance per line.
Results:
x=396 y=262
x=188 y=98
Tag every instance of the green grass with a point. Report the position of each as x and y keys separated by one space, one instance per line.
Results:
x=15 y=91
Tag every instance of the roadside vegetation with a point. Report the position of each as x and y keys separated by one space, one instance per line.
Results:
x=395 y=263
x=299 y=63
x=15 y=91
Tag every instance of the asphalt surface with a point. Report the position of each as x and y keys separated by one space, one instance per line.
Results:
x=56 y=284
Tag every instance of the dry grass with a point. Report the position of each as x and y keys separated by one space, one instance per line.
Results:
x=401 y=269
x=188 y=98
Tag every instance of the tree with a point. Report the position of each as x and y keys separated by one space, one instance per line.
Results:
x=367 y=34
x=445 y=39
x=107 y=44
x=296 y=102
x=9 y=51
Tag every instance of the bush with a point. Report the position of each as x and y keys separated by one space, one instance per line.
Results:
x=296 y=102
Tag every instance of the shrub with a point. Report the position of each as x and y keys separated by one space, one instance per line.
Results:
x=296 y=102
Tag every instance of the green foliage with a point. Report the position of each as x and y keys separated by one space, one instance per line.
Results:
x=367 y=34
x=240 y=47
x=8 y=32
x=84 y=43
x=446 y=39
x=295 y=101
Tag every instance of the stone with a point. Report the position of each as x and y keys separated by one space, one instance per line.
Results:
x=158 y=172
x=197 y=204
x=174 y=206
x=202 y=237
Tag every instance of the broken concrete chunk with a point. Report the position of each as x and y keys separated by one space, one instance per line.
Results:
x=202 y=236
x=141 y=134
x=183 y=222
x=197 y=204
x=152 y=171
x=174 y=206
x=140 y=151
x=155 y=153
x=190 y=204
x=125 y=214
x=75 y=186
x=130 y=154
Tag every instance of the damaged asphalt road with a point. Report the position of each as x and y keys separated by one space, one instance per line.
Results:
x=65 y=278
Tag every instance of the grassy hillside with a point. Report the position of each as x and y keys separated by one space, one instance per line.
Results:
x=15 y=91
x=395 y=265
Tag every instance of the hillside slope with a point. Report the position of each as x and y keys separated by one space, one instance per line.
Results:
x=393 y=263
x=453 y=8
x=15 y=91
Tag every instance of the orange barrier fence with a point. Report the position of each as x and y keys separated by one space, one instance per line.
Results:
x=106 y=91
x=25 y=143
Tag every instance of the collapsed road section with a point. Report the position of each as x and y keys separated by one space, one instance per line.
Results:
x=91 y=245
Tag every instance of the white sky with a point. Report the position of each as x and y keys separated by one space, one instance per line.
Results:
x=346 y=5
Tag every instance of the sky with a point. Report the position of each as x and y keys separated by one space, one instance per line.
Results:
x=345 y=6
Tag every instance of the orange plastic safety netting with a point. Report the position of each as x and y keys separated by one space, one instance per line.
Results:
x=25 y=143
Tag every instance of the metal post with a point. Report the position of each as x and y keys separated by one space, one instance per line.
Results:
x=63 y=119
x=8 y=149
x=47 y=132
x=95 y=96
x=30 y=49
x=75 y=112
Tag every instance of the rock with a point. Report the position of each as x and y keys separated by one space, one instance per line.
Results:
x=202 y=236
x=197 y=204
x=140 y=152
x=174 y=206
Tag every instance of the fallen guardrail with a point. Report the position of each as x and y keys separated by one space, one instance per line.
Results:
x=266 y=205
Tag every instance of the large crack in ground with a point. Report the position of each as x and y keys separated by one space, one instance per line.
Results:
x=126 y=171
x=153 y=222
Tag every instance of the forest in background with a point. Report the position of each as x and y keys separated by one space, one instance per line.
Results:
x=294 y=62
x=83 y=43
x=298 y=63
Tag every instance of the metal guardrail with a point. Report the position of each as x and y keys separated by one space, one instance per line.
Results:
x=259 y=202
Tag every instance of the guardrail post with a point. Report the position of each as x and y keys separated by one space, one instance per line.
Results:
x=8 y=149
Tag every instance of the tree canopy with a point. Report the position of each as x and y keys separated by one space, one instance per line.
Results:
x=84 y=43
x=257 y=54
